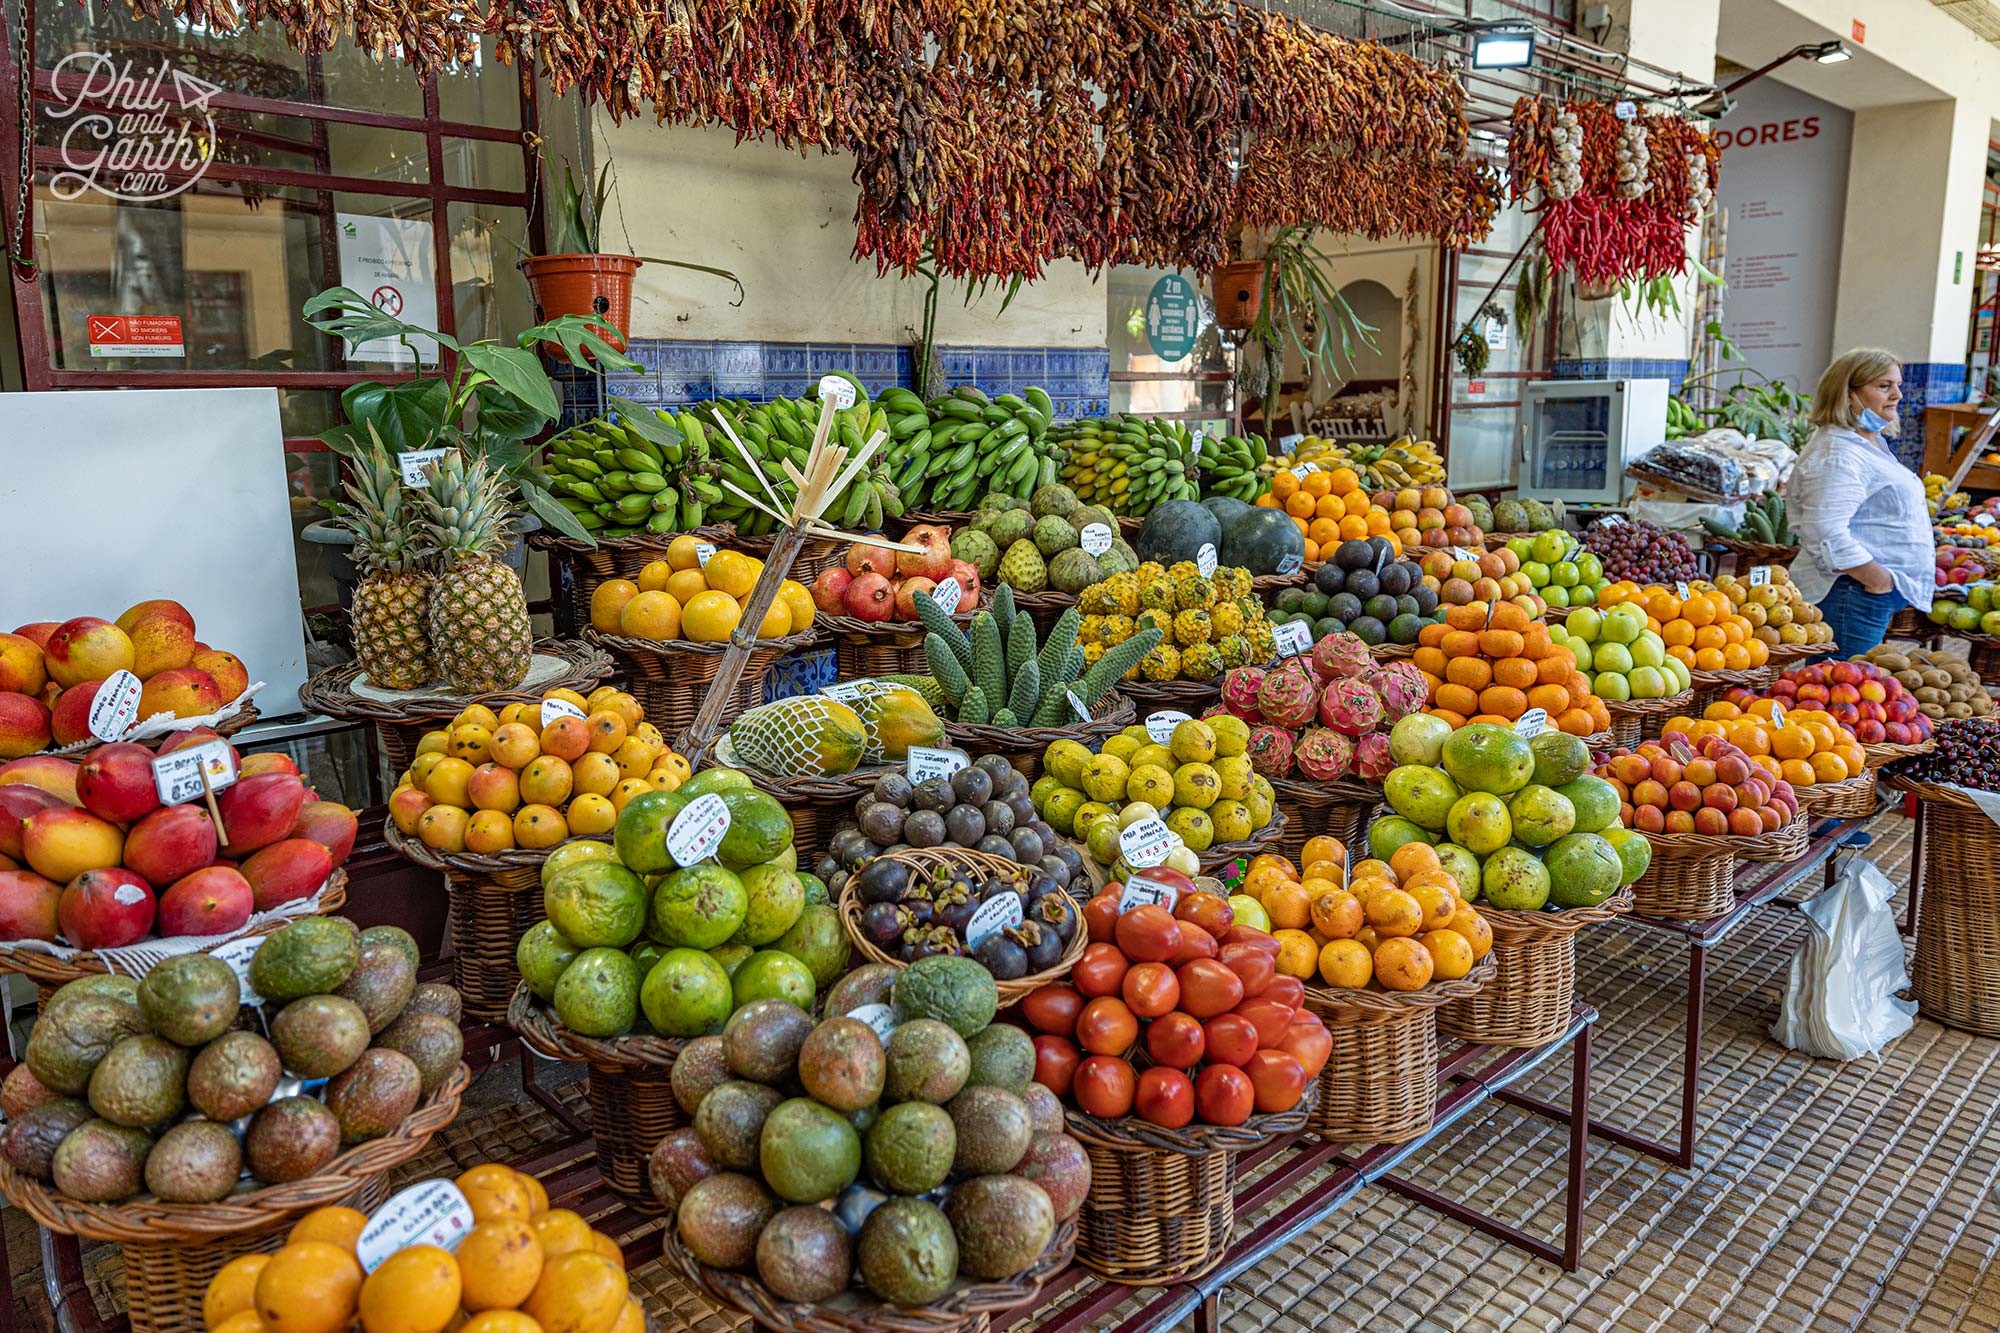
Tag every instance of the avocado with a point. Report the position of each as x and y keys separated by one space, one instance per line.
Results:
x=21 y=1092
x=74 y=1034
x=956 y=991
x=311 y=956
x=141 y=1081
x=1003 y=1056
x=197 y=1161
x=1002 y=1223
x=290 y=1139
x=434 y=997
x=233 y=1075
x=803 y=1254
x=395 y=936
x=191 y=999
x=432 y=1041
x=908 y=1254
x=111 y=986
x=927 y=1062
x=100 y=1162
x=30 y=1140
x=382 y=982
x=319 y=1035
x=374 y=1094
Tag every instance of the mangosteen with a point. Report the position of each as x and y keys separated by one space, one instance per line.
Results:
x=882 y=881
x=1001 y=956
x=934 y=794
x=1042 y=883
x=894 y=788
x=924 y=828
x=937 y=942
x=922 y=911
x=846 y=846
x=1043 y=947
x=953 y=910
x=1024 y=809
x=999 y=817
x=1056 y=914
x=995 y=845
x=882 y=923
x=964 y=824
x=995 y=766
x=882 y=822
x=1027 y=845
x=972 y=784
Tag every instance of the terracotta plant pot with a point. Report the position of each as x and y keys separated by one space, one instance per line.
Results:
x=597 y=286
x=1587 y=290
x=1239 y=293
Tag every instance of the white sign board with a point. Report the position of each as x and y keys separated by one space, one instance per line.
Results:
x=393 y=263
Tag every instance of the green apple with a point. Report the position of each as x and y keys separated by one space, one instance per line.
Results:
x=1622 y=623
x=1682 y=680
x=1565 y=575
x=1555 y=594
x=1612 y=657
x=1522 y=547
x=1647 y=650
x=1584 y=653
x=1537 y=573
x=1549 y=546
x=1610 y=685
x=1558 y=634
x=1589 y=568
x=1584 y=622
x=1648 y=682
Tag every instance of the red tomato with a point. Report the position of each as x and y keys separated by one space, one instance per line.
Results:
x=1229 y=1039
x=1052 y=1009
x=1101 y=971
x=1250 y=935
x=1195 y=943
x=1269 y=1018
x=1208 y=988
x=1253 y=965
x=1165 y=1097
x=1100 y=914
x=1055 y=1063
x=1309 y=1043
x=1210 y=911
x=1151 y=989
x=1288 y=991
x=1176 y=1041
x=1105 y=1086
x=1224 y=1095
x=1149 y=934
x=1277 y=1080
x=1106 y=1027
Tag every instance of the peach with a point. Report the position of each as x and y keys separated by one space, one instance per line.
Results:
x=116 y=783
x=53 y=775
x=69 y=720
x=63 y=842
x=17 y=801
x=286 y=871
x=21 y=668
x=159 y=606
x=258 y=811
x=1711 y=822
x=38 y=632
x=269 y=761
x=231 y=676
x=28 y=906
x=106 y=908
x=331 y=825
x=212 y=901
x=171 y=843
x=160 y=643
x=86 y=648
x=182 y=691
x=25 y=726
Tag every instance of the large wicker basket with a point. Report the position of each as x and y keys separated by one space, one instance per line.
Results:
x=671 y=678
x=1957 y=970
x=1850 y=798
x=1189 y=696
x=1709 y=686
x=576 y=569
x=879 y=647
x=1528 y=1001
x=1633 y=720
x=1888 y=752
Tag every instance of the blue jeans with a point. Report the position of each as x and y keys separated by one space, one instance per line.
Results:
x=1859 y=618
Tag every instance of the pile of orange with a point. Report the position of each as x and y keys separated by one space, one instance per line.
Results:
x=1492 y=662
x=1330 y=508
x=522 y=1268
x=678 y=597
x=1807 y=747
x=1704 y=629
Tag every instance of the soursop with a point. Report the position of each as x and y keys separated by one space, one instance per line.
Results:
x=1023 y=568
x=1539 y=517
x=1002 y=501
x=977 y=549
x=1510 y=516
x=1073 y=570
x=1053 y=534
x=1054 y=498
x=1010 y=526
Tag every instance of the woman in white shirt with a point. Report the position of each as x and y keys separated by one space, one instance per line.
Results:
x=1864 y=530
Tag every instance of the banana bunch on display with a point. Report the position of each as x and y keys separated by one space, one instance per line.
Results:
x=1937 y=500
x=1682 y=420
x=1381 y=467
x=1129 y=464
x=632 y=475
x=1230 y=466
x=964 y=445
x=783 y=429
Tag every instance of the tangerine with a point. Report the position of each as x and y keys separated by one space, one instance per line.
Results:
x=334 y=1225
x=1337 y=915
x=499 y=1263
x=1393 y=912
x=1451 y=954
x=1438 y=904
x=711 y=617
x=561 y=1232
x=651 y=615
x=1298 y=956
x=1468 y=922
x=732 y=572
x=414 y=1290
x=607 y=600
x=577 y=1293
x=308 y=1288
x=495 y=1192
x=686 y=585
x=1413 y=857
x=681 y=552
x=653 y=578
x=233 y=1290
x=1288 y=905
x=1403 y=964
x=1345 y=963
x=798 y=600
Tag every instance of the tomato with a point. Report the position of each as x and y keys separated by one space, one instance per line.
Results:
x=1104 y=1086
x=1055 y=1063
x=1269 y=1018
x=1228 y=1039
x=1262 y=940
x=1309 y=1043
x=1100 y=914
x=1101 y=971
x=1288 y=991
x=1224 y=1095
x=1176 y=1041
x=1277 y=1080
x=1149 y=934
x=1165 y=1097
x=1052 y=1009
x=1106 y=1027
x=1151 y=989
x=1195 y=943
x=1252 y=965
x=1210 y=911
x=1208 y=988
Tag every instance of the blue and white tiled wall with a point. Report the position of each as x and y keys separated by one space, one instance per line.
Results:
x=1925 y=384
x=1671 y=369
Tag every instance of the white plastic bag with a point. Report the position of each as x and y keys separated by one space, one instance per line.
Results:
x=1840 y=1002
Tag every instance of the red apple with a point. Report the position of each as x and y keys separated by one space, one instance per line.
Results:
x=103 y=909
x=116 y=783
x=212 y=901
x=868 y=558
x=869 y=597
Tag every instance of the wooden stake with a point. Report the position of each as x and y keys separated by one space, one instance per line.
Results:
x=214 y=811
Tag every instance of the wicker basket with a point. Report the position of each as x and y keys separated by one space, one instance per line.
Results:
x=575 y=569
x=1786 y=654
x=1338 y=810
x=1044 y=608
x=1957 y=966
x=1392 y=652
x=632 y=1103
x=1851 y=798
x=1023 y=746
x=1528 y=1002
x=670 y=679
x=1220 y=855
x=1189 y=696
x=879 y=647
x=1710 y=686
x=1884 y=752
x=1755 y=553
x=1380 y=1083
x=960 y=858
x=1692 y=877
x=1633 y=720
x=1162 y=1203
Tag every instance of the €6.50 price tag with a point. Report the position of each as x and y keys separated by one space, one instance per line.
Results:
x=697 y=831
x=929 y=761
x=433 y=1213
x=178 y=776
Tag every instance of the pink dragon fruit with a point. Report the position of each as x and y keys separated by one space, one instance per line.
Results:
x=1287 y=694
x=1371 y=757
x=1324 y=755
x=1350 y=706
x=1239 y=692
x=1270 y=751
x=1402 y=687
x=1339 y=655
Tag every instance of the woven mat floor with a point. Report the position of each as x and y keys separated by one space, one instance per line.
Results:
x=1825 y=1196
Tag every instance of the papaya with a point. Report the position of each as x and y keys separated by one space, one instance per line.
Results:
x=807 y=736
x=894 y=720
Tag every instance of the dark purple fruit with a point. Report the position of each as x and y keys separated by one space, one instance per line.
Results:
x=882 y=822
x=1043 y=947
x=963 y=824
x=894 y=788
x=1024 y=809
x=972 y=784
x=924 y=828
x=1006 y=960
x=995 y=845
x=999 y=816
x=882 y=881
x=882 y=923
x=1027 y=845
x=934 y=794
x=994 y=766
x=846 y=847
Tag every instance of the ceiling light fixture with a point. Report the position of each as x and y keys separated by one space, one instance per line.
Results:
x=1503 y=46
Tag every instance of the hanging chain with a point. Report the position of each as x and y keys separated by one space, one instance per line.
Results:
x=24 y=199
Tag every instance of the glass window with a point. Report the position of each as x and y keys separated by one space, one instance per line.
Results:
x=490 y=295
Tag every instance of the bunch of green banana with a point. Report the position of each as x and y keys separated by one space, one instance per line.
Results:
x=1764 y=520
x=1129 y=464
x=964 y=445
x=636 y=474
x=1682 y=420
x=1229 y=466
x=782 y=429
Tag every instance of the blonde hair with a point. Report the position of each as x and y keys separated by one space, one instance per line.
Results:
x=1833 y=401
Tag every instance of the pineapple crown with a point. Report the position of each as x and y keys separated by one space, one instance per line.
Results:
x=466 y=514
x=388 y=538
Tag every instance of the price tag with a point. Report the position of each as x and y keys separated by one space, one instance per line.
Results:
x=1569 y=556
x=1293 y=638
x=1682 y=591
x=1625 y=110
x=702 y=552
x=1612 y=521
x=1205 y=559
x=1680 y=750
x=697 y=831
x=836 y=390
x=928 y=761
x=996 y=914
x=116 y=706
x=948 y=595
x=1531 y=723
x=1304 y=470
x=1160 y=726
x=555 y=708
x=1142 y=892
x=433 y=1213
x=1077 y=706
x=1200 y=437
x=1760 y=575
x=1095 y=539
x=177 y=776
x=417 y=465
x=880 y=1017
x=237 y=954
x=1146 y=842
x=1290 y=562
x=1287 y=443
x=1983 y=520
x=1778 y=715
x=847 y=691
x=1462 y=553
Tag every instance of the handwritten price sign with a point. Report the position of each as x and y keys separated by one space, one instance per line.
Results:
x=698 y=830
x=178 y=776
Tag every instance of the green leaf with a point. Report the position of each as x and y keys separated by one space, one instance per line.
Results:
x=552 y=513
x=406 y=416
x=503 y=416
x=517 y=371
x=358 y=320
x=582 y=341
x=644 y=422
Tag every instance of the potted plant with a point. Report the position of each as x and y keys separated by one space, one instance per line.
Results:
x=1299 y=306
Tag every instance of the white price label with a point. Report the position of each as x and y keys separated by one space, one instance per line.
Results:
x=417 y=465
x=1205 y=559
x=1462 y=553
x=1095 y=539
x=1287 y=443
x=703 y=553
x=1146 y=842
x=177 y=776
x=927 y=762
x=1612 y=521
x=237 y=954
x=1304 y=470
x=1200 y=437
x=697 y=831
x=836 y=390
x=1777 y=714
x=879 y=1017
x=1077 y=706
x=115 y=707
x=1760 y=575
x=948 y=595
x=1680 y=750
x=1625 y=110
x=1682 y=591
x=1983 y=520
x=1569 y=554
x=993 y=916
x=1290 y=562
x=1293 y=638
x=555 y=708
x=847 y=691
x=433 y=1213
x=1160 y=726
x=1142 y=892
x=1531 y=723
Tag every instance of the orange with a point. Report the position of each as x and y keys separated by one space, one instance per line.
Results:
x=1262 y=879
x=710 y=617
x=1283 y=863
x=607 y=600
x=495 y=1192
x=1403 y=964
x=414 y=1290
x=1345 y=963
x=607 y=1248
x=1316 y=484
x=578 y=1293
x=561 y=1232
x=1298 y=956
x=686 y=585
x=798 y=600
x=1520 y=673
x=309 y=1288
x=651 y=615
x=1283 y=485
x=1438 y=904
x=1301 y=504
x=234 y=1290
x=538 y=1197
x=244 y=1321
x=1393 y=912
x=1830 y=767
x=1288 y=905
x=681 y=553
x=1343 y=480
x=777 y=622
x=1323 y=531
x=1504 y=701
x=1412 y=857
x=1467 y=922
x=500 y=1262
x=1329 y=506
x=335 y=1226
x=733 y=573
x=655 y=575
x=1337 y=915
x=500 y=1321
x=1451 y=954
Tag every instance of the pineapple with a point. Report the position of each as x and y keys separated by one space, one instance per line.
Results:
x=478 y=613
x=391 y=604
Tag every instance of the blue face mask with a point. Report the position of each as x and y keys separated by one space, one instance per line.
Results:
x=1873 y=423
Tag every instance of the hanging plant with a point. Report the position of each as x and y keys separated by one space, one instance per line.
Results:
x=1301 y=308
